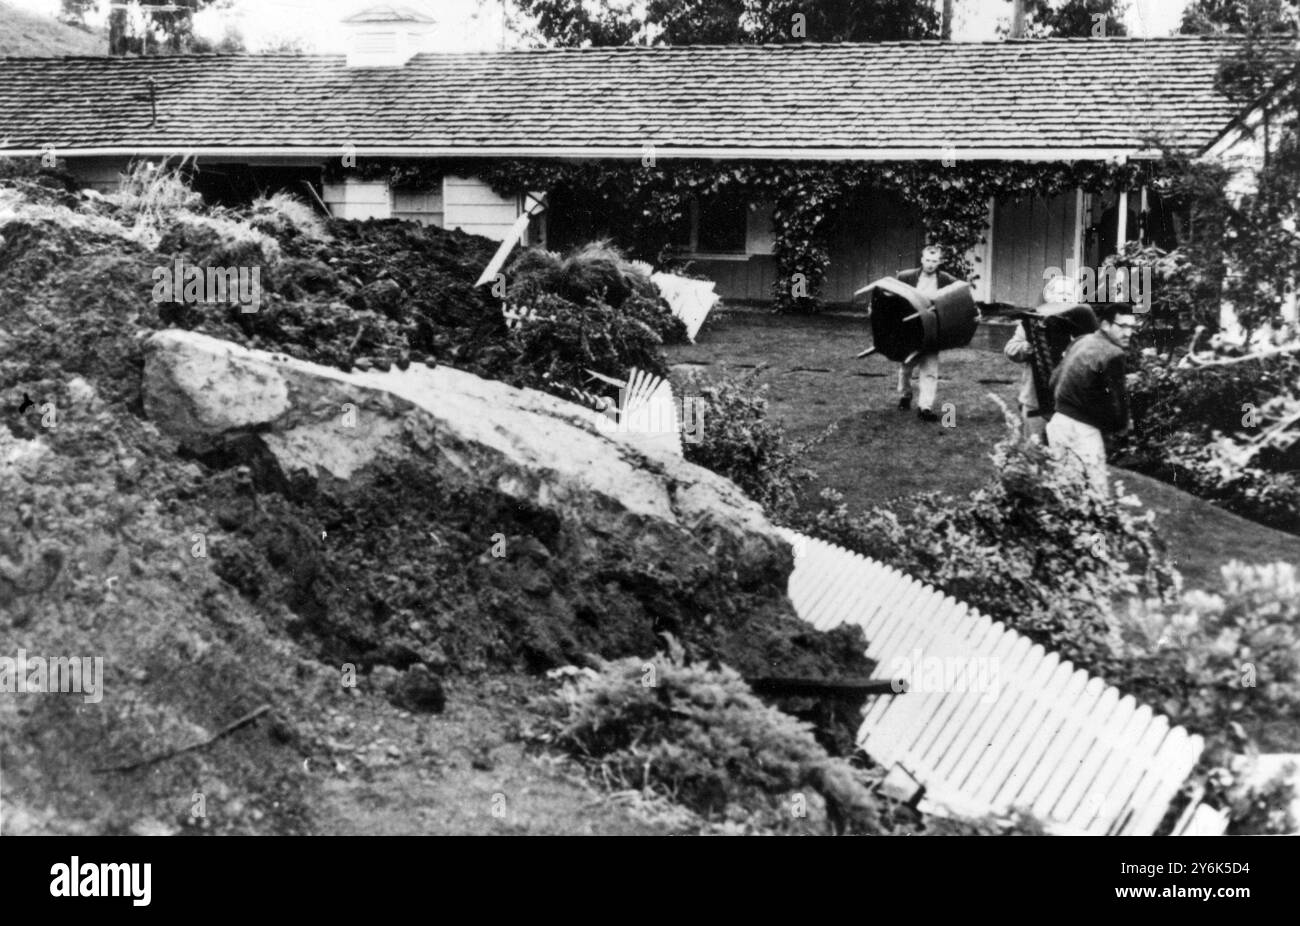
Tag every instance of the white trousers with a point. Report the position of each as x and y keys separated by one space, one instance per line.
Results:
x=927 y=366
x=1080 y=446
x=1034 y=427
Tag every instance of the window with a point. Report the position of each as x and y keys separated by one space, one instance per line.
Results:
x=725 y=226
x=722 y=224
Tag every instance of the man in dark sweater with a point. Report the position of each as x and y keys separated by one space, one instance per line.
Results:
x=928 y=279
x=1091 y=394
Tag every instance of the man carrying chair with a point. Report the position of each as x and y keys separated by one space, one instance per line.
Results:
x=927 y=279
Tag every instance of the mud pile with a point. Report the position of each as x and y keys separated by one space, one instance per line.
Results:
x=214 y=581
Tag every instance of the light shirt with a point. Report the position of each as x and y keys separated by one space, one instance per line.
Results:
x=928 y=284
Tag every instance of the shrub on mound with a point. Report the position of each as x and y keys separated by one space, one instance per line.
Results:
x=701 y=738
x=596 y=272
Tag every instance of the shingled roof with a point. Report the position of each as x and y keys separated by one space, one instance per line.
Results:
x=1055 y=98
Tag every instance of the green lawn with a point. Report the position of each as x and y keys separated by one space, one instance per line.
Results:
x=879 y=452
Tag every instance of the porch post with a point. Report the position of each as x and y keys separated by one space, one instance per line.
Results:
x=1144 y=219
x=987 y=286
x=1080 y=205
x=1121 y=233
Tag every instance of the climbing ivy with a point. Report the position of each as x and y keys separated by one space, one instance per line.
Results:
x=649 y=198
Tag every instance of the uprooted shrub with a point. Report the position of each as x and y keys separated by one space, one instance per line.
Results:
x=283 y=215
x=595 y=272
x=556 y=348
x=700 y=738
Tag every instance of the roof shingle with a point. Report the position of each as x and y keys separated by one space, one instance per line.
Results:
x=1090 y=94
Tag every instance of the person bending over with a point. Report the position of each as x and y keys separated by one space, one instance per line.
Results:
x=1091 y=394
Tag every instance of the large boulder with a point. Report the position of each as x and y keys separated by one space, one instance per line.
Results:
x=638 y=543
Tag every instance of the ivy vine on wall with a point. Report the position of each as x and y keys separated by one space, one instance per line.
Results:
x=649 y=199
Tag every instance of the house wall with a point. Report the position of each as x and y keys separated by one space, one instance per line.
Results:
x=472 y=206
x=1029 y=236
x=358 y=199
x=425 y=207
x=875 y=237
x=748 y=279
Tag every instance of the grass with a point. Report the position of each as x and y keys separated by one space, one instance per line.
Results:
x=879 y=453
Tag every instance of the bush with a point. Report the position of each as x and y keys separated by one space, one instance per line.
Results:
x=1186 y=425
x=1166 y=399
x=685 y=736
x=1212 y=660
x=1036 y=548
x=1264 y=810
x=700 y=738
x=738 y=441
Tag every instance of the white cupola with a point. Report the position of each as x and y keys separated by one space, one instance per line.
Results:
x=386 y=36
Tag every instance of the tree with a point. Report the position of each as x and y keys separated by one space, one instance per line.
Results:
x=151 y=27
x=230 y=43
x=1080 y=19
x=728 y=22
x=1262 y=245
x=851 y=20
x=579 y=23
x=286 y=45
x=1204 y=17
x=73 y=12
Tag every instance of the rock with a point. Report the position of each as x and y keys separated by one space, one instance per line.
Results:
x=524 y=444
x=419 y=691
x=650 y=542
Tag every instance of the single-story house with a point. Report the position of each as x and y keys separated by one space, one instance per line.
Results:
x=281 y=118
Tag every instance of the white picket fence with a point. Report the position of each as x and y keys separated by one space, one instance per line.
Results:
x=1045 y=737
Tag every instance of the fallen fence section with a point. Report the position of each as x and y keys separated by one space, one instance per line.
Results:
x=690 y=300
x=991 y=722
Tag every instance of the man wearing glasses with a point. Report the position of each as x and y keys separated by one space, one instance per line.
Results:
x=1090 y=392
